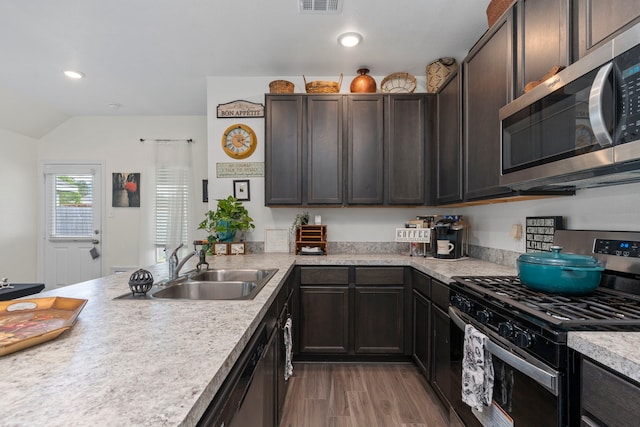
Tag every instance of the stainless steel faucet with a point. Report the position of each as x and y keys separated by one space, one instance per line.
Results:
x=176 y=265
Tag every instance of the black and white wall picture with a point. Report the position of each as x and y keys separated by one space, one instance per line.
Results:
x=241 y=190
x=126 y=190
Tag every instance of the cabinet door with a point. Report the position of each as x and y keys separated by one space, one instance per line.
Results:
x=324 y=319
x=449 y=142
x=543 y=39
x=283 y=150
x=488 y=74
x=608 y=397
x=324 y=177
x=365 y=149
x=599 y=21
x=422 y=333
x=440 y=375
x=379 y=319
x=405 y=150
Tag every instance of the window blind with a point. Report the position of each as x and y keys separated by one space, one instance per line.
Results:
x=70 y=207
x=172 y=206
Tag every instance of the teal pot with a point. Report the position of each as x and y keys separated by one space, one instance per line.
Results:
x=559 y=273
x=227 y=235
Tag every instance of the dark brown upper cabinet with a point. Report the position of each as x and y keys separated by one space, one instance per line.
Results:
x=324 y=150
x=349 y=149
x=597 y=21
x=406 y=150
x=448 y=146
x=365 y=149
x=283 y=150
x=488 y=73
x=542 y=39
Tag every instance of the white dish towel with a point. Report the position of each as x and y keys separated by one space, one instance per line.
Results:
x=288 y=345
x=477 y=370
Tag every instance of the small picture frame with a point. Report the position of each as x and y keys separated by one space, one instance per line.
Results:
x=237 y=248
x=241 y=190
x=276 y=239
x=221 y=248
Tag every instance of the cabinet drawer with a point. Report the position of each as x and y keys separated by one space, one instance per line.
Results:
x=422 y=283
x=609 y=397
x=324 y=276
x=440 y=295
x=379 y=276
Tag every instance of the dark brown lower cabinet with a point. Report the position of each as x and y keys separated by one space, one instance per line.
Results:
x=379 y=319
x=352 y=311
x=440 y=341
x=422 y=333
x=608 y=398
x=324 y=319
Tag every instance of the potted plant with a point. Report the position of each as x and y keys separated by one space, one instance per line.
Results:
x=222 y=224
x=300 y=219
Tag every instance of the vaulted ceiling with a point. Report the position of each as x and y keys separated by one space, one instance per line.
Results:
x=152 y=57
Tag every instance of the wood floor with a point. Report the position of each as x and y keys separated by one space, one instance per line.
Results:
x=357 y=395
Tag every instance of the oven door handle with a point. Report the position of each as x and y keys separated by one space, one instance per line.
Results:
x=549 y=380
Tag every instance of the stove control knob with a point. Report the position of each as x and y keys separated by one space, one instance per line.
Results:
x=462 y=303
x=456 y=301
x=466 y=306
x=505 y=329
x=483 y=316
x=523 y=339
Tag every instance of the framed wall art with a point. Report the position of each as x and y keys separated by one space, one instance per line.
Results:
x=126 y=190
x=241 y=190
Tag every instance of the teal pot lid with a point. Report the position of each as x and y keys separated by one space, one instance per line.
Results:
x=556 y=258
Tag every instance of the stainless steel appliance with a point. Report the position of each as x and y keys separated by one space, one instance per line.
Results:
x=527 y=331
x=581 y=128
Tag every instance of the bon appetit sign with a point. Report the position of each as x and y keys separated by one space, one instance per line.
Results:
x=239 y=109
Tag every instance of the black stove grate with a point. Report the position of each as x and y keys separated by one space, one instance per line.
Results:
x=603 y=309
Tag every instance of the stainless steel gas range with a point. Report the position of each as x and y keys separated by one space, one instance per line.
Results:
x=527 y=331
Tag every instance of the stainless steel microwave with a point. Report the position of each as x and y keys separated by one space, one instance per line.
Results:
x=581 y=128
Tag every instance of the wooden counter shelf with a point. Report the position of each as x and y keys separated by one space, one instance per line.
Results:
x=313 y=236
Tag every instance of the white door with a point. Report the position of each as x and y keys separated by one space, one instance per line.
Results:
x=72 y=243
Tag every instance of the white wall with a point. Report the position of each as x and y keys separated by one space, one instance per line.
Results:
x=18 y=207
x=115 y=141
x=607 y=208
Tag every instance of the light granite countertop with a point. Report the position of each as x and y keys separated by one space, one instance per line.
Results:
x=157 y=362
x=617 y=350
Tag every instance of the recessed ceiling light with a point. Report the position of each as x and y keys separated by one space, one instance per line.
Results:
x=73 y=74
x=349 y=39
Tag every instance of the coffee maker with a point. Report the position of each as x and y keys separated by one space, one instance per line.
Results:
x=450 y=238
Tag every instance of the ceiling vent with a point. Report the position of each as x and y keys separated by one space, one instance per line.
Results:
x=320 y=6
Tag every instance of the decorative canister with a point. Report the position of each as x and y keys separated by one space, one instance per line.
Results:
x=363 y=83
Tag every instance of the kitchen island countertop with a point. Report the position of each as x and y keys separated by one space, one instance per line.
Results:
x=158 y=362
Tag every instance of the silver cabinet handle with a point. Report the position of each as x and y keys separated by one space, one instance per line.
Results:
x=549 y=380
x=595 y=106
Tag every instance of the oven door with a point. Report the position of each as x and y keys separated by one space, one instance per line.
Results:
x=526 y=392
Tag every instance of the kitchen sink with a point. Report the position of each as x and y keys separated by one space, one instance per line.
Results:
x=242 y=275
x=218 y=290
x=218 y=284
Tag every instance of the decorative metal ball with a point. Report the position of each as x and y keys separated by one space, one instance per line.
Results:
x=140 y=281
